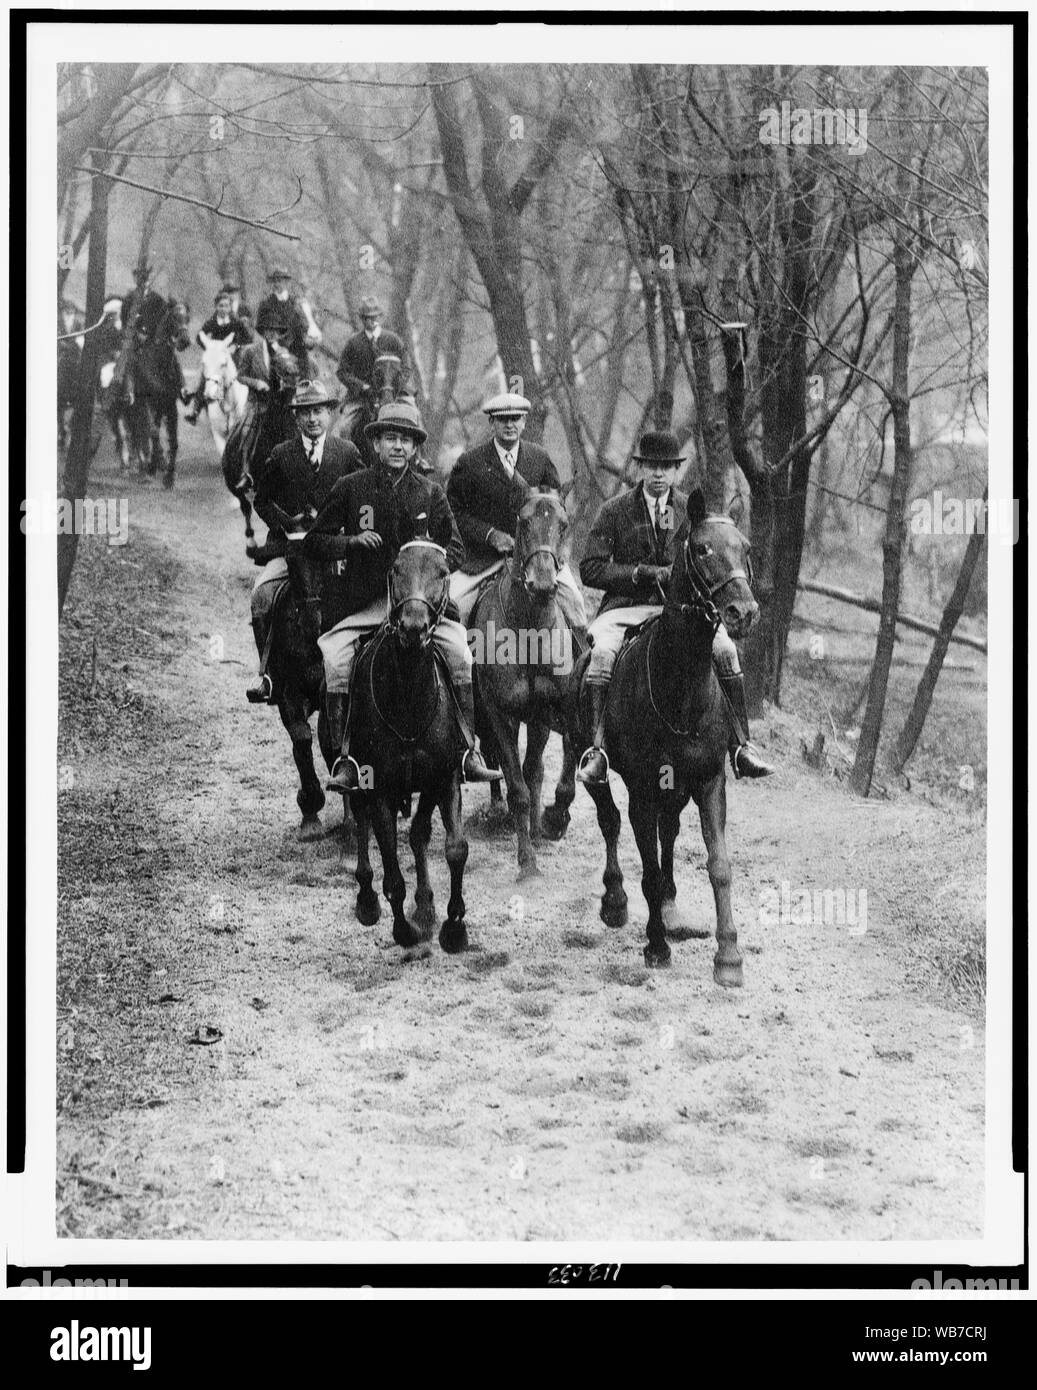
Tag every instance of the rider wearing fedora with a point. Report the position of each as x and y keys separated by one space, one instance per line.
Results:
x=376 y=512
x=288 y=314
x=298 y=476
x=356 y=365
x=143 y=310
x=629 y=554
x=487 y=488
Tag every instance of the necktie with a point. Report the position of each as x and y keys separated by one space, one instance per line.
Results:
x=509 y=463
x=311 y=453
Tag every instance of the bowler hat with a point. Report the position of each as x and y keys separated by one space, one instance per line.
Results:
x=397 y=415
x=311 y=393
x=369 y=305
x=659 y=446
x=278 y=272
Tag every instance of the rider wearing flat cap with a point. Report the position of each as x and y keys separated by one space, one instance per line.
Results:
x=298 y=476
x=371 y=514
x=629 y=554
x=487 y=488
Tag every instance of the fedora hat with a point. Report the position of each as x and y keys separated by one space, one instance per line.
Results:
x=659 y=446
x=369 y=305
x=278 y=272
x=311 y=393
x=397 y=415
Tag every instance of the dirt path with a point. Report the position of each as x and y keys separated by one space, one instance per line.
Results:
x=544 y=1084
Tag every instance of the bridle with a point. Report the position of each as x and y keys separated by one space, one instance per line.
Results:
x=436 y=611
x=523 y=573
x=704 y=591
x=223 y=383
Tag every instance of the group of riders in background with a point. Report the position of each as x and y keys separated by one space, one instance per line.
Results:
x=365 y=546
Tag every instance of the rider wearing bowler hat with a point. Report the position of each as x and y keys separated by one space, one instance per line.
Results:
x=376 y=512
x=283 y=310
x=629 y=554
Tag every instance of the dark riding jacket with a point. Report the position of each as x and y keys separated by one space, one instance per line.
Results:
x=288 y=480
x=484 y=498
x=400 y=510
x=212 y=328
x=356 y=365
x=287 y=315
x=256 y=364
x=152 y=311
x=624 y=537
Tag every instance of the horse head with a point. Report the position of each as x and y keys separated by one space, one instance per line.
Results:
x=542 y=544
x=419 y=589
x=386 y=378
x=176 y=321
x=304 y=569
x=712 y=572
x=218 y=369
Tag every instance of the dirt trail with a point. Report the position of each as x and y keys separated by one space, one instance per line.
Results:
x=544 y=1084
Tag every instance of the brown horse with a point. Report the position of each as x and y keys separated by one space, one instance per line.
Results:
x=524 y=659
x=267 y=422
x=406 y=740
x=667 y=732
x=386 y=387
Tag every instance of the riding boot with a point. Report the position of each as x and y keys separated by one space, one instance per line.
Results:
x=473 y=769
x=745 y=760
x=593 y=770
x=261 y=691
x=345 y=775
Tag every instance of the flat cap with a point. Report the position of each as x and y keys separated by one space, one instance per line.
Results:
x=507 y=403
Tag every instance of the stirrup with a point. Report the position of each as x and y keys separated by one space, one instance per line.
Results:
x=581 y=767
x=484 y=774
x=262 y=694
x=757 y=768
x=341 y=763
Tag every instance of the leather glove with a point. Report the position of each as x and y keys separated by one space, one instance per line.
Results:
x=500 y=541
x=653 y=574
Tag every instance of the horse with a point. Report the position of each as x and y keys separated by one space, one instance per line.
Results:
x=296 y=667
x=667 y=732
x=386 y=387
x=527 y=681
x=148 y=394
x=406 y=739
x=225 y=396
x=267 y=422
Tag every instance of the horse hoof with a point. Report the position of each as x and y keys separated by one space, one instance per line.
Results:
x=527 y=872
x=425 y=920
x=614 y=912
x=311 y=828
x=453 y=937
x=368 y=910
x=657 y=955
x=167 y=481
x=404 y=935
x=555 y=824
x=728 y=973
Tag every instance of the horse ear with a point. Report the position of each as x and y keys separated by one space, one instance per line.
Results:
x=206 y=340
x=226 y=342
x=696 y=508
x=737 y=509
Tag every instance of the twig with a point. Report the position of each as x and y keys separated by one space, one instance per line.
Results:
x=186 y=198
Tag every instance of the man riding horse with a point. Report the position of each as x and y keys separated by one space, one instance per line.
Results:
x=629 y=555
x=379 y=510
x=356 y=368
x=288 y=313
x=143 y=310
x=299 y=475
x=223 y=324
x=486 y=490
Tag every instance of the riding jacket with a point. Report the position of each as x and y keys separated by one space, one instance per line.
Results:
x=356 y=365
x=152 y=310
x=483 y=498
x=288 y=316
x=212 y=328
x=623 y=537
x=399 y=508
x=288 y=480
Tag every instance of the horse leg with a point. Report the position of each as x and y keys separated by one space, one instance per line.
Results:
x=172 y=431
x=420 y=834
x=614 y=899
x=712 y=804
x=537 y=734
x=643 y=819
x=393 y=884
x=556 y=817
x=677 y=927
x=505 y=732
x=453 y=934
x=250 y=535
x=368 y=908
x=310 y=796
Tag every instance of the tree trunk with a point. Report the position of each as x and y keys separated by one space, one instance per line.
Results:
x=896 y=530
x=77 y=463
x=915 y=721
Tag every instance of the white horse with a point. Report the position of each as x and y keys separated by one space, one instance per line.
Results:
x=225 y=396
